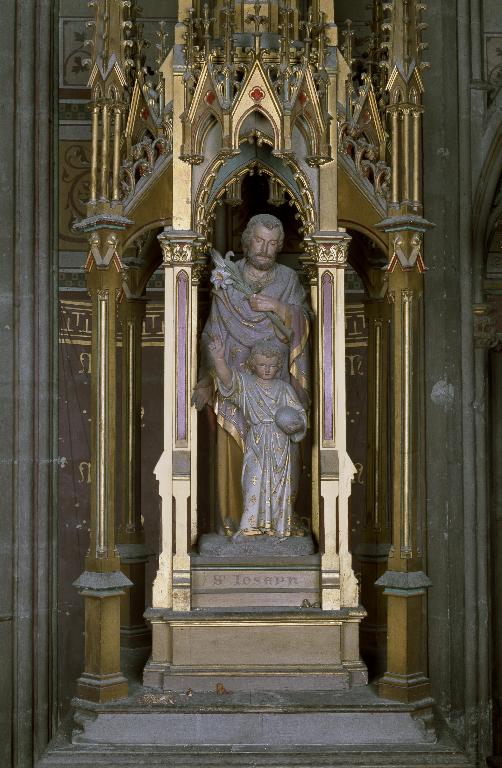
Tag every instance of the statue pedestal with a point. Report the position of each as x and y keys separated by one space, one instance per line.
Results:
x=255 y=650
x=255 y=572
x=255 y=623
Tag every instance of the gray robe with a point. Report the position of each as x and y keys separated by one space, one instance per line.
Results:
x=271 y=467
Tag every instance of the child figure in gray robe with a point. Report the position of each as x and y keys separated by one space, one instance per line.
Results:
x=276 y=422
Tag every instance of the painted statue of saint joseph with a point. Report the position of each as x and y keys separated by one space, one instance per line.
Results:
x=240 y=323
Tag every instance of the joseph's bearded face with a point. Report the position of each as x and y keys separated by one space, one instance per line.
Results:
x=263 y=247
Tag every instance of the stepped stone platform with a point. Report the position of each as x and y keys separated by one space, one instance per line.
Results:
x=250 y=730
x=236 y=729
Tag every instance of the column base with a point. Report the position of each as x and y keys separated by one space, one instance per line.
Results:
x=404 y=688
x=102 y=688
x=139 y=636
x=134 y=632
x=373 y=559
x=102 y=679
x=404 y=679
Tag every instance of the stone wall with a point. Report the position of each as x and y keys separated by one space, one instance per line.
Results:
x=27 y=381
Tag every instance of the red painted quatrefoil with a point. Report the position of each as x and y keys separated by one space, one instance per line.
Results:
x=257 y=93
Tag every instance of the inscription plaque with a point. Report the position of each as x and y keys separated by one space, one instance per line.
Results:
x=252 y=587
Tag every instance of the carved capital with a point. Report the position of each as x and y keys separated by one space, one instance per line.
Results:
x=103 y=250
x=407 y=295
x=181 y=247
x=133 y=284
x=200 y=271
x=334 y=253
x=406 y=250
x=485 y=327
x=406 y=233
x=328 y=249
x=311 y=272
x=177 y=252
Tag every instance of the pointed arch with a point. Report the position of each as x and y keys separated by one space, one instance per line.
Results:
x=268 y=118
x=205 y=123
x=220 y=176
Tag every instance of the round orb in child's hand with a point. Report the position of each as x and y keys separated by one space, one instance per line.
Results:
x=288 y=419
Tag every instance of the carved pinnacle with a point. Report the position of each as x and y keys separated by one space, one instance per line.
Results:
x=257 y=20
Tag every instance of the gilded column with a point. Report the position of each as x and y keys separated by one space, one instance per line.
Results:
x=131 y=538
x=405 y=582
x=176 y=470
x=374 y=548
x=117 y=138
x=102 y=583
x=95 y=108
x=105 y=151
x=395 y=138
x=417 y=158
x=171 y=587
x=404 y=155
x=328 y=248
x=309 y=264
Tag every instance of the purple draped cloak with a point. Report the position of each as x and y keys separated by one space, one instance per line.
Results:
x=239 y=328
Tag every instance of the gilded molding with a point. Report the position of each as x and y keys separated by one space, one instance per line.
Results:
x=407 y=299
x=142 y=160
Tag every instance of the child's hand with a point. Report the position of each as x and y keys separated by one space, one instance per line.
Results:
x=292 y=426
x=216 y=349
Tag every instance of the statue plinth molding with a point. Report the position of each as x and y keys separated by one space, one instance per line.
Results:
x=257 y=649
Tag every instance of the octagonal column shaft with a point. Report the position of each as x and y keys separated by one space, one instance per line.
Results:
x=131 y=538
x=374 y=548
x=405 y=584
x=102 y=583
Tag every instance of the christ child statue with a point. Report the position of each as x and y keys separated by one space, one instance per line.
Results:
x=276 y=422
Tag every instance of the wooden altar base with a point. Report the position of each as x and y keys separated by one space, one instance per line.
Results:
x=261 y=649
